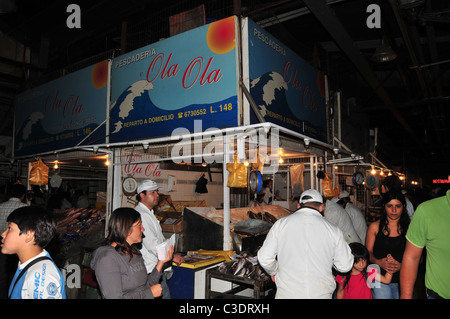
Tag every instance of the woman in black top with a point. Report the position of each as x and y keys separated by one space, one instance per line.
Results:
x=386 y=242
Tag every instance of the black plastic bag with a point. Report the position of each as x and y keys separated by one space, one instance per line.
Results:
x=200 y=186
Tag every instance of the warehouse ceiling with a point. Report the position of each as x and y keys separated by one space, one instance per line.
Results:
x=405 y=101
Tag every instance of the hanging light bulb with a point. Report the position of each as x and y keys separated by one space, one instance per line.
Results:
x=373 y=171
x=55 y=167
x=107 y=160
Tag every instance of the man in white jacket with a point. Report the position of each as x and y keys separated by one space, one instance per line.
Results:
x=301 y=249
x=338 y=216
x=148 y=198
x=357 y=217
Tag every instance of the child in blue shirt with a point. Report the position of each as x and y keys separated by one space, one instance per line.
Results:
x=29 y=230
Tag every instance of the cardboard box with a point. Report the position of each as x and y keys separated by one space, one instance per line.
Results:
x=171 y=222
x=172 y=226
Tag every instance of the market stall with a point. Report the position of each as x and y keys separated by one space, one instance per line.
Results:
x=207 y=121
x=216 y=127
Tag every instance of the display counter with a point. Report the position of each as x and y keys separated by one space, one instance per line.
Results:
x=203 y=227
x=189 y=278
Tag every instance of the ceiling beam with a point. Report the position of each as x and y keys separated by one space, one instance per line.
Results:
x=331 y=23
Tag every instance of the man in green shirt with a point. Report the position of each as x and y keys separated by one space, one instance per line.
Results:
x=430 y=229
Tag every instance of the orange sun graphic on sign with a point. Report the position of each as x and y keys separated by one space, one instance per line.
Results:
x=99 y=75
x=221 y=36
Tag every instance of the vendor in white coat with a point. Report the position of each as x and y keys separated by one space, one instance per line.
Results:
x=301 y=249
x=148 y=198
x=338 y=216
x=357 y=217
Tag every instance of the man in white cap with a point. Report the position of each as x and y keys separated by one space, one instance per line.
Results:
x=357 y=217
x=301 y=249
x=148 y=197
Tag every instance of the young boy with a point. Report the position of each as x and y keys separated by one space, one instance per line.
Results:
x=29 y=230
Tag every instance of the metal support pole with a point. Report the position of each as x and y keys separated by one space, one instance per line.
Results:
x=226 y=197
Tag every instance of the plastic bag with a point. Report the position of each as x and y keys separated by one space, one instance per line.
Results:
x=238 y=174
x=327 y=187
x=38 y=173
x=200 y=186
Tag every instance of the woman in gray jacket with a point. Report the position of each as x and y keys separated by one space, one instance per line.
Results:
x=119 y=266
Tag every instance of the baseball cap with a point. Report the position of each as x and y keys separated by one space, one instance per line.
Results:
x=311 y=195
x=148 y=185
x=344 y=194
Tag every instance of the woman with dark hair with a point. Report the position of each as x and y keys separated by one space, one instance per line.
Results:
x=386 y=242
x=119 y=266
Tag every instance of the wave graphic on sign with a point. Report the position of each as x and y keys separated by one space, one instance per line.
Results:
x=125 y=103
x=32 y=138
x=269 y=91
x=134 y=116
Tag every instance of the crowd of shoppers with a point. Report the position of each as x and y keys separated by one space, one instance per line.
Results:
x=311 y=253
x=300 y=249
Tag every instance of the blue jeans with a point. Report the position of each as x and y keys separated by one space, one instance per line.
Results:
x=432 y=295
x=383 y=291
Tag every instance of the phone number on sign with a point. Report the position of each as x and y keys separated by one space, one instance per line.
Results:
x=194 y=113
x=198 y=112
